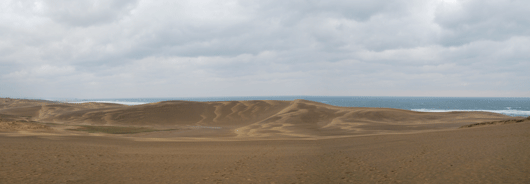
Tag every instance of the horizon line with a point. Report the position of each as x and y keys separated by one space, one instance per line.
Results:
x=279 y=96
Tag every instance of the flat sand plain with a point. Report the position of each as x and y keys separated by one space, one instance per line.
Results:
x=256 y=142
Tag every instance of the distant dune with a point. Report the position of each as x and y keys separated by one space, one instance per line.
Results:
x=245 y=119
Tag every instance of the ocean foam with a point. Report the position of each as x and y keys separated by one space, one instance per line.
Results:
x=505 y=112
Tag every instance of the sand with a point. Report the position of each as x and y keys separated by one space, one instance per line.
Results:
x=257 y=142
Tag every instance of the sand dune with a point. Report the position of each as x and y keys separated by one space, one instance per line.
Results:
x=256 y=142
x=245 y=119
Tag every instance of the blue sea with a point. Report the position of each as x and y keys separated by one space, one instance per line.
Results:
x=507 y=105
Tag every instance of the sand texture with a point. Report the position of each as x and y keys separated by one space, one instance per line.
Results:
x=256 y=142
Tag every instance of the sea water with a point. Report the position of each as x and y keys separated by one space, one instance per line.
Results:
x=513 y=106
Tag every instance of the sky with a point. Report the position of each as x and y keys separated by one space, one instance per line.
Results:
x=208 y=48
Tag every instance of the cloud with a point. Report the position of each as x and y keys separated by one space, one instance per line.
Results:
x=44 y=70
x=468 y=21
x=85 y=12
x=92 y=48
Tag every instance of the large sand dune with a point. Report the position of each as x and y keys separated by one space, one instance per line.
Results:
x=246 y=119
x=256 y=142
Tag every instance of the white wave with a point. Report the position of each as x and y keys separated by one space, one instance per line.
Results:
x=115 y=102
x=506 y=112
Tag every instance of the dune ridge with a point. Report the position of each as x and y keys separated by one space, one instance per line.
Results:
x=245 y=119
x=497 y=122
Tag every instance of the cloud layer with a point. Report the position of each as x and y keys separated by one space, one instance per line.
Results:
x=118 y=48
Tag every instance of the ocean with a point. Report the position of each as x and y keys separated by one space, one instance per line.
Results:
x=512 y=106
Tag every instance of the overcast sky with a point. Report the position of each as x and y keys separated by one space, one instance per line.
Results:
x=200 y=48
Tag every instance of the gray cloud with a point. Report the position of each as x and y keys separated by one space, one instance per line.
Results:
x=470 y=21
x=85 y=12
x=96 y=49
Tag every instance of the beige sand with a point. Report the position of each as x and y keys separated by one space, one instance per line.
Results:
x=258 y=142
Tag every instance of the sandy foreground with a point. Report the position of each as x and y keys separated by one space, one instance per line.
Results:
x=256 y=142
